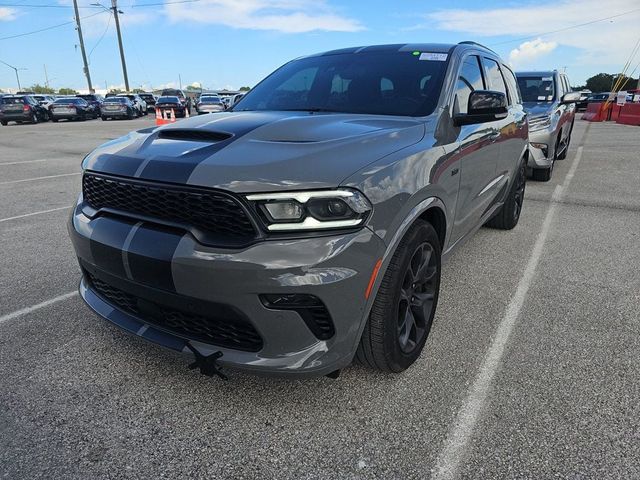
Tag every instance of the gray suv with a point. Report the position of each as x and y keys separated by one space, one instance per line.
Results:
x=306 y=227
x=551 y=105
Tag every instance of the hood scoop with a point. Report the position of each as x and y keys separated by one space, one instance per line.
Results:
x=192 y=135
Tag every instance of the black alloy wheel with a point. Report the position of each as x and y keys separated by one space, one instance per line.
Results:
x=417 y=294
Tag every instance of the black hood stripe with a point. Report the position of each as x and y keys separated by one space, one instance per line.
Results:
x=178 y=170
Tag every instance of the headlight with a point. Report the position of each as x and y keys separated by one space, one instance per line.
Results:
x=314 y=210
x=539 y=123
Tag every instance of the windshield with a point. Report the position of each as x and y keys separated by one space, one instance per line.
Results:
x=381 y=83
x=536 y=89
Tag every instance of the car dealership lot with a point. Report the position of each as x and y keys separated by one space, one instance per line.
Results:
x=80 y=399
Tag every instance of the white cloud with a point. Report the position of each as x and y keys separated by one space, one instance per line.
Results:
x=7 y=14
x=528 y=51
x=608 y=41
x=286 y=16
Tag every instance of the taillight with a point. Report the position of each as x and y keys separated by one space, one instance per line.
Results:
x=26 y=108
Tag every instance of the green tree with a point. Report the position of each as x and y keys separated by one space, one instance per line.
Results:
x=245 y=89
x=37 y=88
x=116 y=91
x=192 y=88
x=67 y=91
x=604 y=82
x=138 y=90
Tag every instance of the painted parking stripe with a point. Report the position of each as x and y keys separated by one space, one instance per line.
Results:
x=33 y=308
x=23 y=161
x=459 y=436
x=40 y=178
x=34 y=213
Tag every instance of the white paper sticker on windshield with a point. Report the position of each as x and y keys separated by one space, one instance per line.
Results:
x=542 y=98
x=547 y=79
x=438 y=57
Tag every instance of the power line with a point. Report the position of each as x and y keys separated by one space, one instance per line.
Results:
x=49 y=28
x=162 y=3
x=565 y=28
x=29 y=5
x=101 y=37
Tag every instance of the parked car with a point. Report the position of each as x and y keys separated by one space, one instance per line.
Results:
x=236 y=99
x=226 y=101
x=72 y=108
x=93 y=99
x=118 y=107
x=174 y=92
x=209 y=104
x=551 y=105
x=308 y=227
x=45 y=101
x=139 y=104
x=599 y=97
x=150 y=100
x=581 y=104
x=21 y=108
x=167 y=104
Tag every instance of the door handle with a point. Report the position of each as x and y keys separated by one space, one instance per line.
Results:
x=494 y=136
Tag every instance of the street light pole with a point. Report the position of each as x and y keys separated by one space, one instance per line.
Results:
x=16 y=70
x=114 y=7
x=84 y=55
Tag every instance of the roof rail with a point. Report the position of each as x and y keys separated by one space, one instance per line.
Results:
x=471 y=42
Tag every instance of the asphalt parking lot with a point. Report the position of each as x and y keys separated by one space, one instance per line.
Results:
x=531 y=369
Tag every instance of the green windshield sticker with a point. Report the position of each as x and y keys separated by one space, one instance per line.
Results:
x=415 y=54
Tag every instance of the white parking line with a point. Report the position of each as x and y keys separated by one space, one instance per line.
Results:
x=34 y=213
x=24 y=161
x=24 y=311
x=461 y=432
x=40 y=178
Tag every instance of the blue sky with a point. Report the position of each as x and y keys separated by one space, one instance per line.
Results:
x=231 y=43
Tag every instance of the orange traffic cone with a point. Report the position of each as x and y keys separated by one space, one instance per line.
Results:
x=159 y=119
x=173 y=116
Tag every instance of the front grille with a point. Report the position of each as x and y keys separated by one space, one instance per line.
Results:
x=218 y=216
x=231 y=331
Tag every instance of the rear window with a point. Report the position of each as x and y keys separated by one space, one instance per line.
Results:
x=116 y=100
x=168 y=100
x=12 y=101
x=210 y=100
x=70 y=101
x=88 y=98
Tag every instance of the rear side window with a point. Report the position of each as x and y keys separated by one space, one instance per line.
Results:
x=512 y=85
x=494 y=77
x=469 y=80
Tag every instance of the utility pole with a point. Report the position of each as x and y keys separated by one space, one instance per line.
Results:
x=114 y=7
x=180 y=81
x=84 y=55
x=46 y=77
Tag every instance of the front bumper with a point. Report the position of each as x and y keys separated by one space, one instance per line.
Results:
x=542 y=148
x=149 y=261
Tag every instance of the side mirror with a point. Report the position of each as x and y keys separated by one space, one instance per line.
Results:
x=571 y=97
x=484 y=106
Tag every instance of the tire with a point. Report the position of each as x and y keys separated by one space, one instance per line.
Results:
x=563 y=155
x=104 y=119
x=507 y=217
x=413 y=274
x=542 y=174
x=54 y=120
x=130 y=115
x=3 y=123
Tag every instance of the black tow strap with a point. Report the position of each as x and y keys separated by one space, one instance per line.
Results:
x=208 y=364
